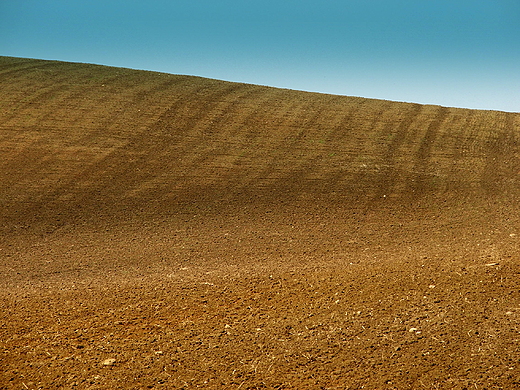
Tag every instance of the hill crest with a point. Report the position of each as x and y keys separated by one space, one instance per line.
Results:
x=81 y=140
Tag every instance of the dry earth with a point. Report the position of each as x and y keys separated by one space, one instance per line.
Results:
x=163 y=231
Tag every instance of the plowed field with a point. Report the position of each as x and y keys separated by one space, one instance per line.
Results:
x=165 y=231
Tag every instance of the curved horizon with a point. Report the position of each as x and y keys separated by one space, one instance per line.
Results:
x=462 y=54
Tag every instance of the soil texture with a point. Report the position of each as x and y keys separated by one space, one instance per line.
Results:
x=175 y=232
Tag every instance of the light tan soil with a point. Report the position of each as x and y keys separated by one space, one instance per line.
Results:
x=161 y=231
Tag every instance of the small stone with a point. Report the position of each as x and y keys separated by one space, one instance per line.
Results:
x=412 y=330
x=109 y=362
x=508 y=313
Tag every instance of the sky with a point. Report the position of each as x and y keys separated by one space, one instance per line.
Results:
x=457 y=53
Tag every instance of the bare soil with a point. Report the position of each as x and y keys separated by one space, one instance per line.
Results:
x=162 y=231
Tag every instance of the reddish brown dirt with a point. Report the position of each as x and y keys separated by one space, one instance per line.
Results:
x=163 y=231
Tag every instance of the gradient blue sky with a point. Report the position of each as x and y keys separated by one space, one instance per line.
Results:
x=462 y=53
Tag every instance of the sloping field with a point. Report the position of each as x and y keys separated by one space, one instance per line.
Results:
x=164 y=231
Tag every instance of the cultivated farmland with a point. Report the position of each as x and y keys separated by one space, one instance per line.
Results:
x=165 y=231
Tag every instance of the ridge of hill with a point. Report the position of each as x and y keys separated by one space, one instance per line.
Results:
x=98 y=138
x=171 y=231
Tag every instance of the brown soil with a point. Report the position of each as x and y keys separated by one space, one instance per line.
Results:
x=162 y=231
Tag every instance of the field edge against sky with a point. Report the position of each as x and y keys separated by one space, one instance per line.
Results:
x=457 y=54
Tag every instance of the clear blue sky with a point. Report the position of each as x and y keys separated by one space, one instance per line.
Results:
x=463 y=53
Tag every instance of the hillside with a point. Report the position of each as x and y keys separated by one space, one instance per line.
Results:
x=211 y=234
